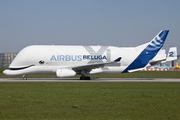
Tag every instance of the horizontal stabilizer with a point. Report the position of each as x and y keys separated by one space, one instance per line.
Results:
x=117 y=60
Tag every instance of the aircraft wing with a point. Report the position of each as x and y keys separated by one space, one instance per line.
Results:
x=94 y=65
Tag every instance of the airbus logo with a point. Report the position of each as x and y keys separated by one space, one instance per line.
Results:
x=77 y=57
x=66 y=58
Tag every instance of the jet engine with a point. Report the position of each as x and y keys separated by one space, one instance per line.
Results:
x=65 y=73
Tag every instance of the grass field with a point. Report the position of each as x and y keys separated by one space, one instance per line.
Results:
x=139 y=74
x=90 y=101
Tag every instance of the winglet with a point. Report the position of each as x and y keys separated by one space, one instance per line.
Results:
x=117 y=60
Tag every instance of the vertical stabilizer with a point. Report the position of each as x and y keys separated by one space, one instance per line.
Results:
x=148 y=51
x=172 y=54
x=156 y=43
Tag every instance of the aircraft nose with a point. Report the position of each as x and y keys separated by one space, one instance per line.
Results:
x=5 y=72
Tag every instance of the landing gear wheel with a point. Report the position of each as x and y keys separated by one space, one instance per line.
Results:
x=82 y=78
x=88 y=78
x=85 y=78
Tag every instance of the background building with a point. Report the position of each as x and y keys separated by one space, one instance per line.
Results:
x=6 y=59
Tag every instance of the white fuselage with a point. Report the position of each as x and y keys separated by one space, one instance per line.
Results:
x=57 y=57
x=67 y=61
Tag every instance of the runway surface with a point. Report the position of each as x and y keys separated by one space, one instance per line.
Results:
x=92 y=80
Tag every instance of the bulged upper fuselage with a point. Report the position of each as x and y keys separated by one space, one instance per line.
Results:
x=68 y=61
x=49 y=58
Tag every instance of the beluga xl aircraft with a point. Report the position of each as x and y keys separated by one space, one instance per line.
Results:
x=68 y=61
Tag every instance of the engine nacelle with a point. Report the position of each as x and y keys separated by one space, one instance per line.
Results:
x=65 y=73
x=96 y=71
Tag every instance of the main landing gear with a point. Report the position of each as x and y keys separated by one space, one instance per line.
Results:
x=85 y=78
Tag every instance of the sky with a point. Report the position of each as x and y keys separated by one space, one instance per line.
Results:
x=121 y=23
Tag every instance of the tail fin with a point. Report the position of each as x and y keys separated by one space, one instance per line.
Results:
x=172 y=54
x=148 y=51
x=156 y=43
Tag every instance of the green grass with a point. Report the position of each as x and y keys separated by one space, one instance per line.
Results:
x=91 y=101
x=138 y=74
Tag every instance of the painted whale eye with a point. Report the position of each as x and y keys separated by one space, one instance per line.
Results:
x=41 y=62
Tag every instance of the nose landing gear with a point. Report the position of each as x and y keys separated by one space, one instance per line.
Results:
x=24 y=77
